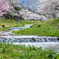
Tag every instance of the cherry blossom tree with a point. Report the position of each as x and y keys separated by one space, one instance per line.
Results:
x=4 y=5
x=49 y=7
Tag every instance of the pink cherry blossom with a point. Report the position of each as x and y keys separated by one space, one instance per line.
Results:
x=4 y=5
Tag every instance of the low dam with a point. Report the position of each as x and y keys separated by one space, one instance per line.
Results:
x=23 y=38
x=37 y=41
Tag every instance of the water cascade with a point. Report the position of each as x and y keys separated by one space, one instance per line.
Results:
x=21 y=39
x=37 y=41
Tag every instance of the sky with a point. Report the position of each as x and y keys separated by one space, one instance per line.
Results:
x=30 y=4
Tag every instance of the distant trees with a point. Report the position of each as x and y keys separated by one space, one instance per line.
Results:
x=49 y=7
x=4 y=5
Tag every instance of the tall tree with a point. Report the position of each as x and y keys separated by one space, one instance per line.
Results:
x=4 y=5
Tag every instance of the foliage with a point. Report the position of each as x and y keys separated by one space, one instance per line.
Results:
x=10 y=51
x=3 y=7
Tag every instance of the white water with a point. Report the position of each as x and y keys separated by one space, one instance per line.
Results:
x=52 y=42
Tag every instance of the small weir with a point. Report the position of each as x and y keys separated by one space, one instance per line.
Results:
x=37 y=41
x=32 y=39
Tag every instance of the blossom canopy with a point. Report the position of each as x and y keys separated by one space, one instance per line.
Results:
x=4 y=5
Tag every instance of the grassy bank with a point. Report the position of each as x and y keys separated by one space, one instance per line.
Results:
x=8 y=23
x=4 y=29
x=11 y=51
x=48 y=28
x=13 y=23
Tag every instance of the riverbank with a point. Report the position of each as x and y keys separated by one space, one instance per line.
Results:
x=12 y=23
x=41 y=28
x=48 y=28
x=9 y=32
x=8 y=23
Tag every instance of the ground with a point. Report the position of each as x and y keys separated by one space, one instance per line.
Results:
x=42 y=28
x=47 y=28
x=8 y=23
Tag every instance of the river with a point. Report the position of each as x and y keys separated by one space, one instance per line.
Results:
x=37 y=41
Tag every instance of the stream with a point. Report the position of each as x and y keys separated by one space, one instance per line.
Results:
x=37 y=41
x=9 y=33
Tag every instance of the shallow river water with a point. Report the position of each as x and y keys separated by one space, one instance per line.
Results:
x=37 y=41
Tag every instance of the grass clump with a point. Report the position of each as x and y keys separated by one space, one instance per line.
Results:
x=48 y=28
x=10 y=51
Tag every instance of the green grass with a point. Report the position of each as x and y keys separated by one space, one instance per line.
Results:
x=30 y=21
x=9 y=23
x=13 y=23
x=10 y=51
x=48 y=28
x=4 y=29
